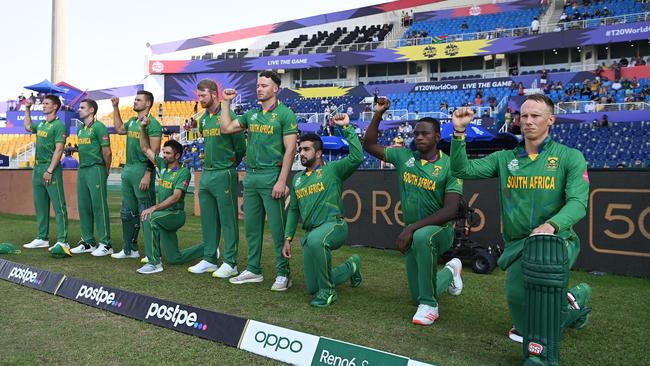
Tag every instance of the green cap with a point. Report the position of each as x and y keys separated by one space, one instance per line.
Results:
x=8 y=248
x=60 y=251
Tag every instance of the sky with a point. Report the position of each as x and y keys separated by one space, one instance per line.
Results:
x=106 y=39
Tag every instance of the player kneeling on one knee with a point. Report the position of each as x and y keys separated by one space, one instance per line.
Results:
x=316 y=197
x=162 y=220
x=430 y=198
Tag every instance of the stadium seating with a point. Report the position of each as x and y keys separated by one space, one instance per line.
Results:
x=479 y=23
x=430 y=101
x=620 y=143
x=592 y=13
x=174 y=112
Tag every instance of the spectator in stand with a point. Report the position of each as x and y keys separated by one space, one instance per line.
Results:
x=478 y=101
x=595 y=123
x=534 y=26
x=616 y=67
x=638 y=61
x=508 y=117
x=350 y=111
x=367 y=109
x=617 y=85
x=604 y=122
x=543 y=79
x=443 y=106
x=398 y=141
x=645 y=91
x=389 y=117
x=464 y=26
x=375 y=95
x=411 y=17
x=160 y=112
x=590 y=107
x=515 y=126
x=196 y=107
x=520 y=89
x=624 y=62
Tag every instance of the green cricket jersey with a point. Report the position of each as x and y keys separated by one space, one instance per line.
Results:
x=170 y=180
x=221 y=151
x=551 y=186
x=91 y=138
x=316 y=194
x=134 y=154
x=48 y=134
x=422 y=184
x=266 y=129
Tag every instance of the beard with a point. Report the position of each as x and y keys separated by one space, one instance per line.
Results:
x=307 y=162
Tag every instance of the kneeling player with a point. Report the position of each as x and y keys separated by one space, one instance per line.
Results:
x=543 y=189
x=162 y=220
x=430 y=198
x=316 y=197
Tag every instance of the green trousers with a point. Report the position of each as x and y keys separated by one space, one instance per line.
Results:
x=42 y=197
x=219 y=213
x=160 y=233
x=515 y=284
x=318 y=244
x=93 y=204
x=426 y=285
x=259 y=203
x=134 y=201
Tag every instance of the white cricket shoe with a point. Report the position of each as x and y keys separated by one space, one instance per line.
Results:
x=425 y=315
x=456 y=268
x=513 y=335
x=37 y=243
x=202 y=267
x=247 y=277
x=281 y=283
x=150 y=268
x=102 y=251
x=82 y=248
x=225 y=271
x=120 y=255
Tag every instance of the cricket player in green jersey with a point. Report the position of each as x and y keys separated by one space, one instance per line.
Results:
x=430 y=197
x=543 y=190
x=162 y=220
x=137 y=181
x=219 y=185
x=316 y=198
x=94 y=166
x=272 y=135
x=47 y=177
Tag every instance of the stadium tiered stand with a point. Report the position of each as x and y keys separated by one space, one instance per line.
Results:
x=313 y=105
x=607 y=147
x=478 y=23
x=174 y=112
x=430 y=101
x=602 y=9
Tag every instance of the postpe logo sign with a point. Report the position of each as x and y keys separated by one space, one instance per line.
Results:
x=98 y=296
x=175 y=315
x=24 y=275
x=277 y=343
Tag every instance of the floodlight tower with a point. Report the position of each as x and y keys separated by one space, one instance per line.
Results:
x=59 y=39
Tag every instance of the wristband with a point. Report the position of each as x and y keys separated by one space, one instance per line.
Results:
x=49 y=172
x=455 y=130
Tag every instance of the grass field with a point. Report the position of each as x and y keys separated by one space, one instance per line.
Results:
x=38 y=328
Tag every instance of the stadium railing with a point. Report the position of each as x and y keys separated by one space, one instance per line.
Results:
x=579 y=107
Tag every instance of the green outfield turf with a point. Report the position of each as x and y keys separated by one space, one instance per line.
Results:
x=38 y=328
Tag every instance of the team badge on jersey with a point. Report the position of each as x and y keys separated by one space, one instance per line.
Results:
x=513 y=165
x=254 y=117
x=410 y=162
x=436 y=170
x=274 y=116
x=552 y=163
x=298 y=180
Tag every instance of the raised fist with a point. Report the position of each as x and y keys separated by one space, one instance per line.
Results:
x=229 y=94
x=462 y=117
x=28 y=103
x=382 y=105
x=115 y=101
x=341 y=119
x=144 y=121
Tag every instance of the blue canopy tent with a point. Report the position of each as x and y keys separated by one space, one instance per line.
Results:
x=46 y=86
